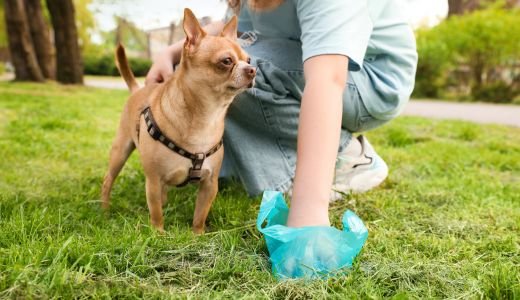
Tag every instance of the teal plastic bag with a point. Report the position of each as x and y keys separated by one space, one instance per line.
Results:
x=307 y=252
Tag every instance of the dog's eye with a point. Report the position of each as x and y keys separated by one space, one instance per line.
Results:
x=227 y=61
x=249 y=60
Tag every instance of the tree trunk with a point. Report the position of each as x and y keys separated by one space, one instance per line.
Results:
x=459 y=7
x=68 y=54
x=513 y=3
x=149 y=45
x=171 y=36
x=21 y=47
x=455 y=7
x=41 y=38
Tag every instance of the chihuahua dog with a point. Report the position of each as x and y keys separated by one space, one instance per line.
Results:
x=177 y=126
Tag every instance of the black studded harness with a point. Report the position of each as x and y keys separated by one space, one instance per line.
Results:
x=197 y=159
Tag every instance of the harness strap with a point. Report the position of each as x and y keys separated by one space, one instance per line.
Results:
x=197 y=159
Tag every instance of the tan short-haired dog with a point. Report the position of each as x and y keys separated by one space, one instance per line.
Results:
x=177 y=126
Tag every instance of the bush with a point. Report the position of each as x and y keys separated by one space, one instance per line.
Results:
x=498 y=92
x=434 y=57
x=140 y=66
x=476 y=54
x=100 y=65
x=2 y=68
x=105 y=65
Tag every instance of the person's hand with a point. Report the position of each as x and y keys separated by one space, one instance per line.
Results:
x=161 y=70
x=162 y=67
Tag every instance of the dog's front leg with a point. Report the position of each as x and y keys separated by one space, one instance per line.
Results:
x=207 y=192
x=154 y=198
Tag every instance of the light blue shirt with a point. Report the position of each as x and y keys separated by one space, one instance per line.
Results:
x=374 y=34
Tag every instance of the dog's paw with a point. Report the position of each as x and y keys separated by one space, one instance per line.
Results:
x=198 y=230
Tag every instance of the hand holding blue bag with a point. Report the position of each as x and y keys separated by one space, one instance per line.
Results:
x=307 y=252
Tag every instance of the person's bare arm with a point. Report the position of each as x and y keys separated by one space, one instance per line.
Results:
x=162 y=67
x=318 y=139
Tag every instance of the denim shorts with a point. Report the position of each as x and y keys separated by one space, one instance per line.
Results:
x=262 y=123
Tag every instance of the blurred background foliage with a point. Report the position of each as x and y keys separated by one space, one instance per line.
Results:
x=474 y=56
x=3 y=32
x=86 y=26
x=3 y=39
x=98 y=57
x=102 y=63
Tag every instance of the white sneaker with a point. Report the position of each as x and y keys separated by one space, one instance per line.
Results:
x=358 y=173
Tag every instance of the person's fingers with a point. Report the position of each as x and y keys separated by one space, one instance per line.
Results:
x=167 y=75
x=148 y=79
x=167 y=70
x=151 y=78
x=159 y=72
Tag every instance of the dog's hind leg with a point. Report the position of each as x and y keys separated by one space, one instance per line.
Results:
x=122 y=147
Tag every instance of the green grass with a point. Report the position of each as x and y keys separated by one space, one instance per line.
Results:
x=446 y=224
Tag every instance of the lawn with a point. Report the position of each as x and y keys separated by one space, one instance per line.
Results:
x=446 y=223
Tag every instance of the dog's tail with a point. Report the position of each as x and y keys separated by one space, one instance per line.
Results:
x=124 y=69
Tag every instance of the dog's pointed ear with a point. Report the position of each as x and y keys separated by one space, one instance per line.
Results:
x=230 y=30
x=192 y=28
